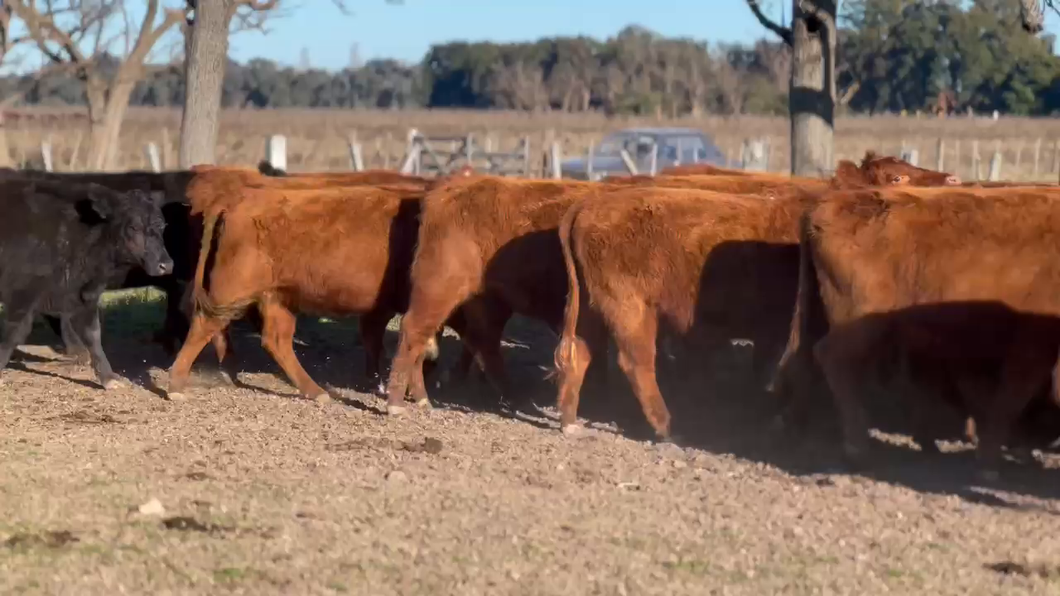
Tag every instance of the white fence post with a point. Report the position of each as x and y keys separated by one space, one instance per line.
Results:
x=276 y=152
x=152 y=157
x=995 y=167
x=46 y=154
x=555 y=160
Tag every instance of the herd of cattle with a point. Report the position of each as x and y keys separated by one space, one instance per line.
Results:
x=830 y=278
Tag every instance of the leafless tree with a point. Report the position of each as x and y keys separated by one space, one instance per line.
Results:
x=76 y=34
x=812 y=95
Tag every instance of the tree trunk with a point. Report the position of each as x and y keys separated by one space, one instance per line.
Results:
x=103 y=140
x=812 y=98
x=96 y=94
x=205 y=63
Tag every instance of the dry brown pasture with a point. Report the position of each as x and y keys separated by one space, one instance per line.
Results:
x=262 y=492
x=317 y=139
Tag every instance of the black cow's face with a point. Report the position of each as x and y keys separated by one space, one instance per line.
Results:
x=141 y=233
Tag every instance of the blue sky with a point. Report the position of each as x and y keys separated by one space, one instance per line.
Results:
x=406 y=31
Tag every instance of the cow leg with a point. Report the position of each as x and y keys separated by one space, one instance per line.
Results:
x=74 y=347
x=17 y=324
x=278 y=339
x=176 y=325
x=636 y=342
x=222 y=345
x=202 y=330
x=843 y=355
x=486 y=318
x=1022 y=374
x=373 y=330
x=85 y=321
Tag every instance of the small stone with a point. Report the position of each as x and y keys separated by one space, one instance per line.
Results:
x=679 y=464
x=152 y=507
x=397 y=476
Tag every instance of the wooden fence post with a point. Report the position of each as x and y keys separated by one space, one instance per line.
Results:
x=589 y=163
x=555 y=161
x=1037 y=155
x=276 y=152
x=152 y=157
x=909 y=155
x=526 y=156
x=412 y=153
x=630 y=164
x=995 y=166
x=46 y=154
x=976 y=174
x=940 y=154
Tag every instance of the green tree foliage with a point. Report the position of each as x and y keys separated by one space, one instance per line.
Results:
x=899 y=55
x=893 y=55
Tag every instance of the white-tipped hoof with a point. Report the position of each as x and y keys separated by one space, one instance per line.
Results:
x=322 y=399
x=571 y=429
x=175 y=396
x=113 y=384
x=380 y=389
x=425 y=404
x=393 y=410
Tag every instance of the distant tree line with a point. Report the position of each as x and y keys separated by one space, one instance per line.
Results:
x=892 y=56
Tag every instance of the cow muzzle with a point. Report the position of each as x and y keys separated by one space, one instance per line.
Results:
x=156 y=265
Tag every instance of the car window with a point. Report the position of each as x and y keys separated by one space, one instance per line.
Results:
x=691 y=149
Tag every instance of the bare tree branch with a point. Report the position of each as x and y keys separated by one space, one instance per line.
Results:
x=783 y=32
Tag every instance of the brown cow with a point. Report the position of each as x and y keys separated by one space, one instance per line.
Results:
x=489 y=246
x=962 y=282
x=716 y=265
x=886 y=170
x=333 y=251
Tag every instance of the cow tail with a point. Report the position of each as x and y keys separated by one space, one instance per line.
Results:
x=566 y=354
x=213 y=225
x=808 y=321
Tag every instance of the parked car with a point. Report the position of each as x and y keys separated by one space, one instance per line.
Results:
x=675 y=146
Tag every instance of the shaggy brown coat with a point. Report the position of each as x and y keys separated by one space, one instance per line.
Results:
x=711 y=264
x=962 y=282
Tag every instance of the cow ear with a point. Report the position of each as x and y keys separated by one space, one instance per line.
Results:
x=95 y=208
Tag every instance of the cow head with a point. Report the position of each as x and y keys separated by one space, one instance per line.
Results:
x=890 y=171
x=137 y=218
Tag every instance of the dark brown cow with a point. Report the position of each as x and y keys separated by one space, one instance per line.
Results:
x=718 y=265
x=962 y=282
x=335 y=252
x=489 y=246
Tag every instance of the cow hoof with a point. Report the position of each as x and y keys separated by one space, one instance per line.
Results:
x=571 y=429
x=424 y=403
x=112 y=384
x=393 y=410
x=322 y=399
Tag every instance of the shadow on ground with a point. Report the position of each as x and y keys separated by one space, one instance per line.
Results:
x=713 y=405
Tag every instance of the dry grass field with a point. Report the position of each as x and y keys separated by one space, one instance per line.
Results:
x=317 y=139
x=247 y=488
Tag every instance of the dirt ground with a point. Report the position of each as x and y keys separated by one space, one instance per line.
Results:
x=250 y=489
